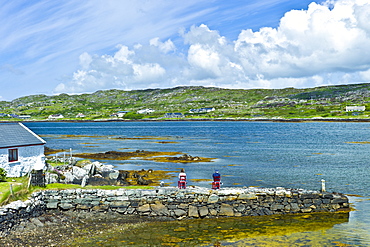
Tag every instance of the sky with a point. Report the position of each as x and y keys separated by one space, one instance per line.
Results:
x=52 y=47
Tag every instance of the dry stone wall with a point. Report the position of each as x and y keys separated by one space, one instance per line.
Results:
x=172 y=202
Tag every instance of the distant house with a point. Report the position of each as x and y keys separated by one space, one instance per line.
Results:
x=56 y=116
x=119 y=114
x=355 y=108
x=24 y=116
x=202 y=110
x=21 y=150
x=80 y=115
x=174 y=115
x=145 y=111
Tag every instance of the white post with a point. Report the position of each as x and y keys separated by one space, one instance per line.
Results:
x=70 y=150
x=323 y=185
x=64 y=157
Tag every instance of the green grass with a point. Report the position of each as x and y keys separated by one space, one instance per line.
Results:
x=59 y=186
x=21 y=192
x=19 y=189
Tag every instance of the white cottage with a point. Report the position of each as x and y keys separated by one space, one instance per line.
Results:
x=21 y=150
x=355 y=108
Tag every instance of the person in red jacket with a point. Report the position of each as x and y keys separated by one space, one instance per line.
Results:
x=182 y=179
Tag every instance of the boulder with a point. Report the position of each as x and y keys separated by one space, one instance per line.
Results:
x=51 y=178
x=213 y=198
x=179 y=212
x=68 y=177
x=203 y=211
x=160 y=209
x=144 y=208
x=193 y=211
x=113 y=175
x=226 y=210
x=79 y=173
x=90 y=169
x=142 y=181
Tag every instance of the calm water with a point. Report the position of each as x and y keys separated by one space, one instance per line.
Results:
x=265 y=154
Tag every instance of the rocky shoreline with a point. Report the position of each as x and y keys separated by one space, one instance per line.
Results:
x=60 y=228
x=53 y=217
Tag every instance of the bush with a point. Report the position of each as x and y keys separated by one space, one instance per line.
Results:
x=2 y=174
x=133 y=116
x=320 y=108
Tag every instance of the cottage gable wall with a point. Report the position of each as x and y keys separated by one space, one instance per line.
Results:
x=29 y=157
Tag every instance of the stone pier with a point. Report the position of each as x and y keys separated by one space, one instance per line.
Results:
x=176 y=203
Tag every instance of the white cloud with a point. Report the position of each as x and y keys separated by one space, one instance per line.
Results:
x=205 y=59
x=163 y=46
x=117 y=71
x=147 y=72
x=325 y=44
x=85 y=60
x=123 y=54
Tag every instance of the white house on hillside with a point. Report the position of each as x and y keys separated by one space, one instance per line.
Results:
x=355 y=108
x=56 y=116
x=119 y=114
x=174 y=115
x=21 y=150
x=145 y=111
x=202 y=110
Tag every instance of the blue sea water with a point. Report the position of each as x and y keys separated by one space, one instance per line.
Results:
x=265 y=154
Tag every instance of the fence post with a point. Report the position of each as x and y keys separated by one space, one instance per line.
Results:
x=323 y=189
x=11 y=189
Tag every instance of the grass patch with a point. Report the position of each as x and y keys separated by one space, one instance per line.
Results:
x=21 y=192
x=13 y=189
x=59 y=186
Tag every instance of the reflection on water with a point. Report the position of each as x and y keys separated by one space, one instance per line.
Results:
x=277 y=230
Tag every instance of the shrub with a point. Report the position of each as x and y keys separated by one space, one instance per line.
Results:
x=133 y=116
x=2 y=174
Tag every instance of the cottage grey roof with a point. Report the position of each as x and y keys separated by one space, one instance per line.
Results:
x=16 y=134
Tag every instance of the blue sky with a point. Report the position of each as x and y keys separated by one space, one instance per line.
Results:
x=51 y=47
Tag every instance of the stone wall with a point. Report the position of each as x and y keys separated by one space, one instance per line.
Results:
x=19 y=211
x=172 y=202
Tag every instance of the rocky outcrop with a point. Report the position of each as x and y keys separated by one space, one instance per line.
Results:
x=185 y=157
x=96 y=173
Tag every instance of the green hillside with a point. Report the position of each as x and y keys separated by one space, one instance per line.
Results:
x=320 y=102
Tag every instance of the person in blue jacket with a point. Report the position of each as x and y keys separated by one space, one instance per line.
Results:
x=216 y=184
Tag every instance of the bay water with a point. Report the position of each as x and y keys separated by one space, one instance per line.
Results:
x=261 y=154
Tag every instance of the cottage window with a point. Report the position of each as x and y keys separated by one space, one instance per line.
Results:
x=13 y=155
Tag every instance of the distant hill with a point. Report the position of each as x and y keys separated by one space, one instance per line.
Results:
x=319 y=102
